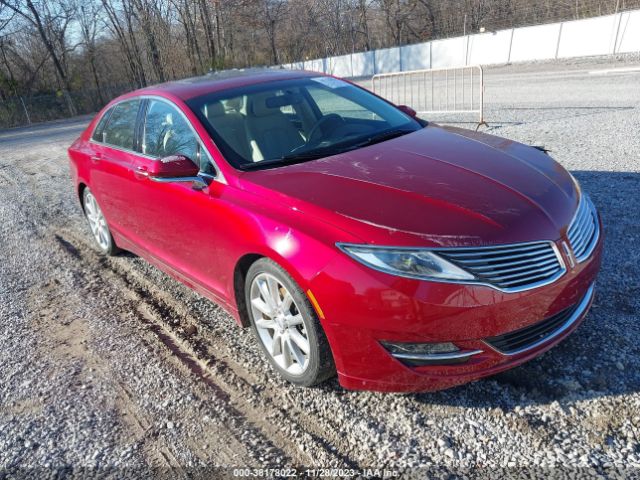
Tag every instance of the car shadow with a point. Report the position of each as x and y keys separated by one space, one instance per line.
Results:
x=602 y=357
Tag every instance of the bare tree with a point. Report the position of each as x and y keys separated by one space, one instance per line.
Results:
x=146 y=13
x=90 y=28
x=121 y=25
x=90 y=50
x=269 y=15
x=51 y=20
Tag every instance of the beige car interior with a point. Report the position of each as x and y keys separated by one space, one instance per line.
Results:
x=231 y=125
x=167 y=125
x=255 y=128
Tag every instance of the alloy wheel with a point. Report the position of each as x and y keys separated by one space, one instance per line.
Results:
x=279 y=324
x=97 y=221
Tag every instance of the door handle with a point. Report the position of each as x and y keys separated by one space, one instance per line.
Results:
x=141 y=172
x=96 y=158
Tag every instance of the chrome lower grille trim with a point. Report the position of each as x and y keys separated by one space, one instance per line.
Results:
x=425 y=359
x=510 y=268
x=584 y=230
x=534 y=336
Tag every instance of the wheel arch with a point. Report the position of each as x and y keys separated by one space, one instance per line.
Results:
x=242 y=267
x=81 y=188
x=239 y=279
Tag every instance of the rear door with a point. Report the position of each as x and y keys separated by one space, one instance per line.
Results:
x=114 y=145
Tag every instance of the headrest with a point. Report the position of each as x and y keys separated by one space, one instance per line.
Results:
x=234 y=104
x=215 y=109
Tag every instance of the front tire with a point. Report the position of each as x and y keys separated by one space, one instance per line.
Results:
x=286 y=325
x=98 y=224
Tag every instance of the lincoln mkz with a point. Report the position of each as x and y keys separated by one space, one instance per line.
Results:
x=353 y=237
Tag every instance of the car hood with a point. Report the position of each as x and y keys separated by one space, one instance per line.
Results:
x=437 y=186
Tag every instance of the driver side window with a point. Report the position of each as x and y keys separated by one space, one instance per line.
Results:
x=167 y=132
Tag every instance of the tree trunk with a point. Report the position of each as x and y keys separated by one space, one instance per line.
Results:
x=138 y=65
x=208 y=32
x=272 y=42
x=64 y=81
x=364 y=21
x=94 y=70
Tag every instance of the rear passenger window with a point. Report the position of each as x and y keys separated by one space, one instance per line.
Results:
x=120 y=130
x=97 y=133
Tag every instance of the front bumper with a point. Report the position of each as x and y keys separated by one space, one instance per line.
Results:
x=374 y=307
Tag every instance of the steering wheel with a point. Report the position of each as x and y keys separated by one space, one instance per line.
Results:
x=324 y=120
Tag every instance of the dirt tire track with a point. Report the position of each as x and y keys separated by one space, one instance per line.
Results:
x=155 y=306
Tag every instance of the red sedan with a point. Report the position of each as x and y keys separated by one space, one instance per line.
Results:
x=353 y=237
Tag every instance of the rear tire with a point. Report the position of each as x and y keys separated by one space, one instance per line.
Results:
x=98 y=224
x=286 y=325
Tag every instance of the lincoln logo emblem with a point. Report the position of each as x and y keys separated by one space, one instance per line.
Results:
x=567 y=252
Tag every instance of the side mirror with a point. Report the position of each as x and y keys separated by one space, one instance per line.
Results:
x=408 y=110
x=178 y=168
x=173 y=166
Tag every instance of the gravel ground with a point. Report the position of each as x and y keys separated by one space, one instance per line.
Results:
x=108 y=367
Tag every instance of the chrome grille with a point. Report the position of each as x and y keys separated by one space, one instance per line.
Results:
x=510 y=267
x=583 y=232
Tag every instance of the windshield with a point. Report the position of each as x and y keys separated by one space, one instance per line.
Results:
x=289 y=121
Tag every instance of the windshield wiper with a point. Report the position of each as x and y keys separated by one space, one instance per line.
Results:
x=293 y=158
x=384 y=136
x=327 y=152
x=286 y=160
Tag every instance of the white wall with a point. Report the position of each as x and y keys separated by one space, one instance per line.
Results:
x=487 y=48
x=535 y=43
x=363 y=64
x=315 y=65
x=593 y=36
x=387 y=60
x=340 y=66
x=451 y=52
x=416 y=57
x=618 y=33
x=629 y=33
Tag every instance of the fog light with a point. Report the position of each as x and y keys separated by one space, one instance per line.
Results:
x=420 y=354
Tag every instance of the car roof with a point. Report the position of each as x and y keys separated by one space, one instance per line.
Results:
x=219 y=81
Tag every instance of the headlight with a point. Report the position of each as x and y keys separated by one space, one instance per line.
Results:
x=412 y=263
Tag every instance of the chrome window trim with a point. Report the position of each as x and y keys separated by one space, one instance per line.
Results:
x=121 y=149
x=579 y=311
x=596 y=234
x=108 y=112
x=563 y=268
x=219 y=177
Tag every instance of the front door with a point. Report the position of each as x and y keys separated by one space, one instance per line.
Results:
x=174 y=222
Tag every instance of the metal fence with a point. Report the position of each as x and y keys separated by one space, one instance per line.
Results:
x=25 y=110
x=437 y=91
